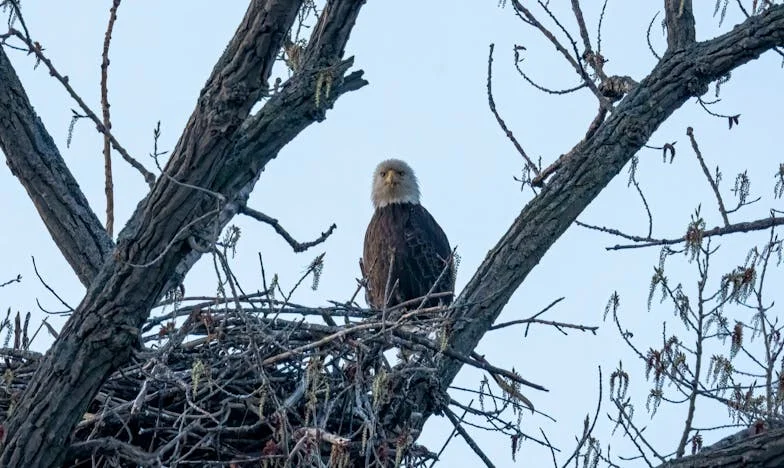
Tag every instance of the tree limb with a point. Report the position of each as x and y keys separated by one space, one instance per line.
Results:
x=34 y=159
x=680 y=24
x=762 y=450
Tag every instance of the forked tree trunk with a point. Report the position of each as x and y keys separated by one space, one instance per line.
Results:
x=223 y=151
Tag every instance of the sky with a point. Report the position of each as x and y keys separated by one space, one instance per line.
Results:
x=426 y=103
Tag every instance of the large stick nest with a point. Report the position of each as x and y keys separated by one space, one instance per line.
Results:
x=233 y=381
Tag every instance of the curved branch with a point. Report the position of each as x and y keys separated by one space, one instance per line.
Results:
x=295 y=245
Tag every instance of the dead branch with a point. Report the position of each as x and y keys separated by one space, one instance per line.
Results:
x=296 y=246
x=498 y=118
x=107 y=122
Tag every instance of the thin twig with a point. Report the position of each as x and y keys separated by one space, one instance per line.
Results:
x=452 y=434
x=633 y=181
x=557 y=325
x=18 y=279
x=535 y=319
x=107 y=122
x=599 y=29
x=711 y=181
x=35 y=269
x=498 y=118
x=748 y=226
x=475 y=360
x=588 y=430
x=471 y=443
x=560 y=92
x=648 y=37
x=529 y=18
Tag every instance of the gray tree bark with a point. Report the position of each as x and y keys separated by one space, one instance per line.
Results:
x=35 y=160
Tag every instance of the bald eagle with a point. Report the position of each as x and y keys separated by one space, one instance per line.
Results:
x=403 y=237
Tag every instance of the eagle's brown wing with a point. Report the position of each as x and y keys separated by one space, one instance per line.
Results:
x=406 y=237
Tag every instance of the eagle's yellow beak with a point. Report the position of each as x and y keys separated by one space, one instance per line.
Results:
x=391 y=178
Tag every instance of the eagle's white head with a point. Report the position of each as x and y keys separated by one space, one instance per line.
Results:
x=394 y=182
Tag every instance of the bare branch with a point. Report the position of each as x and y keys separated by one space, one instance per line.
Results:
x=711 y=181
x=498 y=118
x=18 y=279
x=578 y=14
x=471 y=443
x=107 y=122
x=748 y=226
x=296 y=246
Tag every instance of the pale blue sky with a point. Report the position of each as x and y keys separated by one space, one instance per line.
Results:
x=426 y=103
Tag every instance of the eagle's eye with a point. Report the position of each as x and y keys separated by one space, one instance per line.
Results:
x=401 y=173
x=382 y=173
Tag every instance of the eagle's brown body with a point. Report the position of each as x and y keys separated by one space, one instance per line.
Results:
x=405 y=237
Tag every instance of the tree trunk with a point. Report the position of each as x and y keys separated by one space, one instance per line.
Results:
x=221 y=153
